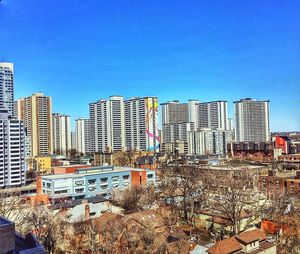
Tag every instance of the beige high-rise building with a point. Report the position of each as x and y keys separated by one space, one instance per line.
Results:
x=36 y=113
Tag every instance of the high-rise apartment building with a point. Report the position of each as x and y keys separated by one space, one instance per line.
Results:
x=212 y=115
x=83 y=135
x=12 y=133
x=36 y=113
x=7 y=86
x=107 y=125
x=61 y=136
x=174 y=112
x=141 y=123
x=177 y=131
x=193 y=112
x=12 y=148
x=251 y=119
x=73 y=140
x=209 y=141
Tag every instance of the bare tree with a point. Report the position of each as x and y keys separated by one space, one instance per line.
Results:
x=11 y=207
x=184 y=187
x=47 y=226
x=137 y=198
x=236 y=197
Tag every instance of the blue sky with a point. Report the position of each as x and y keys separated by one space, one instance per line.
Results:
x=81 y=51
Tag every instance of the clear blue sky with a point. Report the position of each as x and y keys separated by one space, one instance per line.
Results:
x=81 y=51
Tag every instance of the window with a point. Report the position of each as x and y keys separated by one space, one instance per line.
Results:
x=104 y=180
x=91 y=181
x=94 y=188
x=115 y=178
x=80 y=190
x=61 y=192
x=150 y=176
x=126 y=177
x=79 y=183
x=104 y=187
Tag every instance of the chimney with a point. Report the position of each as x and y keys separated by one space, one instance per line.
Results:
x=87 y=211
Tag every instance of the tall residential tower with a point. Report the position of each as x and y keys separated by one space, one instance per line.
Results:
x=7 y=86
x=107 y=125
x=141 y=123
x=83 y=135
x=61 y=128
x=251 y=120
x=36 y=113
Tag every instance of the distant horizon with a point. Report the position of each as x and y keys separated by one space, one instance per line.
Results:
x=78 y=53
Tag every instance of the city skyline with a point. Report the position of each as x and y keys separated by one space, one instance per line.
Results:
x=205 y=52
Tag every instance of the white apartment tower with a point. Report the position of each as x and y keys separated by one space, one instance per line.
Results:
x=83 y=135
x=7 y=86
x=73 y=140
x=12 y=133
x=107 y=125
x=251 y=119
x=212 y=115
x=61 y=137
x=141 y=123
x=209 y=142
x=36 y=113
x=12 y=151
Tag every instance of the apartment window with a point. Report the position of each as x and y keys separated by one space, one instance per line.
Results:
x=115 y=178
x=104 y=180
x=94 y=188
x=80 y=190
x=48 y=185
x=126 y=177
x=60 y=191
x=79 y=183
x=91 y=181
x=104 y=187
x=150 y=176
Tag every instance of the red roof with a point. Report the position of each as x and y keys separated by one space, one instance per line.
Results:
x=251 y=236
x=226 y=246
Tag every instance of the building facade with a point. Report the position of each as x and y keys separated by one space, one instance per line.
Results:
x=107 y=125
x=209 y=142
x=83 y=135
x=12 y=150
x=87 y=182
x=212 y=115
x=141 y=123
x=36 y=113
x=7 y=86
x=251 y=120
x=177 y=131
x=61 y=137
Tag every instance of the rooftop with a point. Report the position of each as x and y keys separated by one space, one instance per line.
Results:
x=251 y=236
x=92 y=171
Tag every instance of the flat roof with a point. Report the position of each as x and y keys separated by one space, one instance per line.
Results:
x=96 y=172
